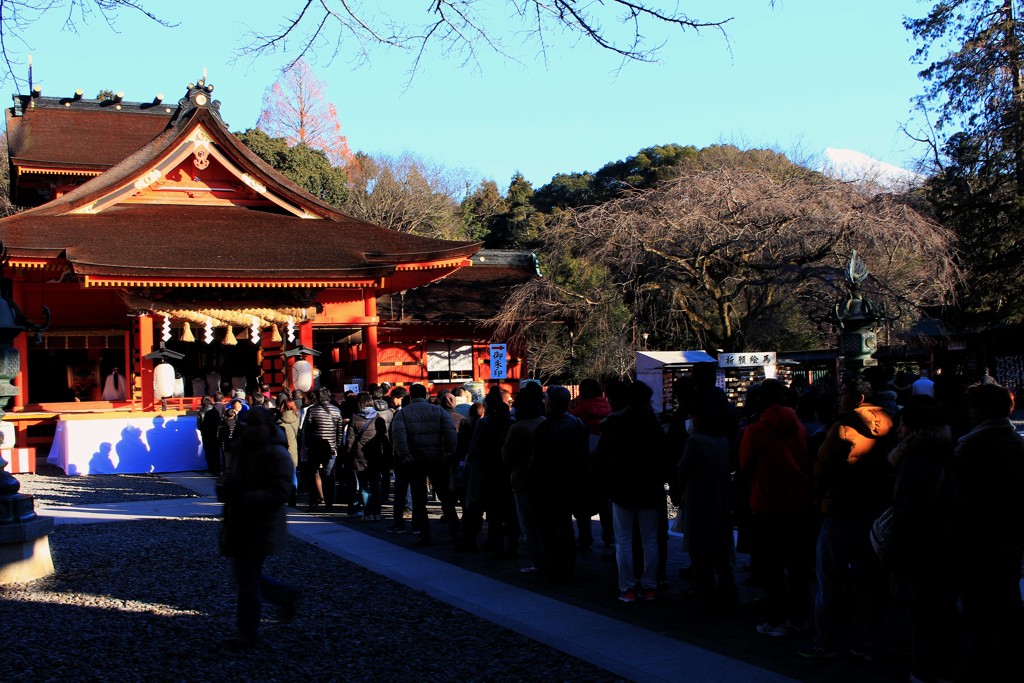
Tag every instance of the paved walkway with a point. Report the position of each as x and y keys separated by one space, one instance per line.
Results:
x=628 y=650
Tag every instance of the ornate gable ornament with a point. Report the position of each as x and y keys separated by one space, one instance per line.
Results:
x=178 y=171
x=197 y=96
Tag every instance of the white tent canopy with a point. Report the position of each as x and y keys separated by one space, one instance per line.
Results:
x=650 y=367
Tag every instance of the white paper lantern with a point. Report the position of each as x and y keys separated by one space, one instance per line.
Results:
x=163 y=380
x=302 y=375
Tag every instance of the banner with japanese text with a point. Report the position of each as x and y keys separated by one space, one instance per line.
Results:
x=748 y=359
x=499 y=361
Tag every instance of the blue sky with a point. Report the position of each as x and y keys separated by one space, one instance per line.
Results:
x=802 y=75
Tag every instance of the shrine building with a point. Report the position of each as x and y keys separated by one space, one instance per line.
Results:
x=153 y=229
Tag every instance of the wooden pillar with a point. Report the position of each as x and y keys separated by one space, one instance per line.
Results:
x=370 y=340
x=272 y=365
x=21 y=345
x=145 y=346
x=129 y=368
x=21 y=379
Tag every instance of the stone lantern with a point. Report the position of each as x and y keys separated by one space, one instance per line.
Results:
x=24 y=536
x=856 y=318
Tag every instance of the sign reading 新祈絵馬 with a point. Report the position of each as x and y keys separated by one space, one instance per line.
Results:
x=747 y=359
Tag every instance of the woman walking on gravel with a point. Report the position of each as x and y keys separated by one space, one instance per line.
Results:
x=254 y=493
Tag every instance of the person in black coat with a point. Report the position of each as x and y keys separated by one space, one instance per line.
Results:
x=634 y=459
x=560 y=455
x=254 y=492
x=988 y=475
x=209 y=432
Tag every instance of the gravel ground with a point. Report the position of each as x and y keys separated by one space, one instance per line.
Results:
x=64 y=491
x=152 y=600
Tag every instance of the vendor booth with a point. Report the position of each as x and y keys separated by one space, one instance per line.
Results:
x=658 y=369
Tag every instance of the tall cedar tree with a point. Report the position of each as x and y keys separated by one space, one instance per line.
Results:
x=971 y=52
x=295 y=108
x=520 y=224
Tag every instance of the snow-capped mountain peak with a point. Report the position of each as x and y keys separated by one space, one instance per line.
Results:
x=852 y=166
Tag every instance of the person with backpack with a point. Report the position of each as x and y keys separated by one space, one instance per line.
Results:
x=363 y=442
x=323 y=431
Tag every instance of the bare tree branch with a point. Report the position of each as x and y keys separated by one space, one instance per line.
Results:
x=17 y=16
x=739 y=254
x=461 y=27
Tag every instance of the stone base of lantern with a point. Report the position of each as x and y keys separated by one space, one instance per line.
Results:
x=25 y=550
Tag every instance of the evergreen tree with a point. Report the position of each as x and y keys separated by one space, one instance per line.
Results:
x=520 y=225
x=307 y=167
x=481 y=207
x=971 y=50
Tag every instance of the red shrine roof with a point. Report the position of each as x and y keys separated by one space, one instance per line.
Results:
x=472 y=294
x=84 y=135
x=194 y=203
x=168 y=242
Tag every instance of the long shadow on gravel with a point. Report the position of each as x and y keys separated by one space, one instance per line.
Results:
x=153 y=601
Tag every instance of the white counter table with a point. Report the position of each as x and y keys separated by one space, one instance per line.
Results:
x=129 y=442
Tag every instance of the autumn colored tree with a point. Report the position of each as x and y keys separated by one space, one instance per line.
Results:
x=295 y=108
x=6 y=207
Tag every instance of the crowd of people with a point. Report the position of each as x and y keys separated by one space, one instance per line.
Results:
x=849 y=499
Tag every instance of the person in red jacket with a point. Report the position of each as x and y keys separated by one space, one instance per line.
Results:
x=592 y=407
x=773 y=456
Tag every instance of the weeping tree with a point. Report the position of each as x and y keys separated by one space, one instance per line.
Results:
x=740 y=250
